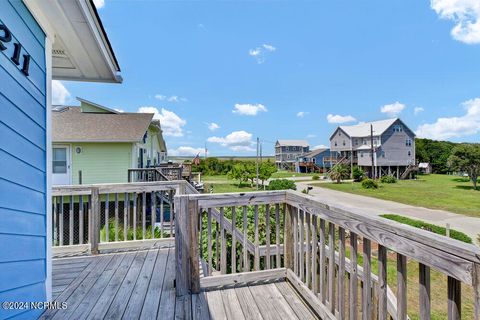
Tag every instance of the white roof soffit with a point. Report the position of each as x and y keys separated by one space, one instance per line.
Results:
x=81 y=50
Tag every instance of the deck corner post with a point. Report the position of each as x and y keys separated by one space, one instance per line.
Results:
x=94 y=222
x=476 y=290
x=288 y=237
x=186 y=247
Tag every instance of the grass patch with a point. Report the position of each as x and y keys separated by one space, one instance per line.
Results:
x=229 y=187
x=454 y=234
x=443 y=192
x=288 y=174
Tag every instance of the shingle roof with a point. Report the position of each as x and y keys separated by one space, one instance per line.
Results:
x=72 y=125
x=313 y=153
x=293 y=143
x=363 y=129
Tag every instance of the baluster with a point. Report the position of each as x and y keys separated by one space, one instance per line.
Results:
x=234 y=240
x=322 y=266
x=126 y=209
x=267 y=236
x=153 y=213
x=70 y=222
x=223 y=250
x=341 y=273
x=307 y=251
x=172 y=212
x=353 y=277
x=61 y=222
x=424 y=291
x=382 y=283
x=116 y=216
x=55 y=221
x=246 y=262
x=277 y=235
x=162 y=195
x=367 y=280
x=144 y=214
x=314 y=254
x=256 y=261
x=331 y=266
x=209 y=240
x=216 y=247
x=301 y=267
x=107 y=227
x=401 y=287
x=454 y=299
x=134 y=216
x=295 y=241
x=80 y=218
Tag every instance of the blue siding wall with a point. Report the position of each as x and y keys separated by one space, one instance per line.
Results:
x=22 y=164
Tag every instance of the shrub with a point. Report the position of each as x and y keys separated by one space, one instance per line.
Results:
x=369 y=184
x=315 y=177
x=388 y=179
x=282 y=184
x=454 y=234
x=305 y=191
x=358 y=174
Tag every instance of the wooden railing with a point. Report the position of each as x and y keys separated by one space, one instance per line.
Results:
x=161 y=173
x=92 y=218
x=324 y=250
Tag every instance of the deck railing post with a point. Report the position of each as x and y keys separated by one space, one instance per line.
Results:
x=186 y=247
x=288 y=238
x=94 y=222
x=476 y=290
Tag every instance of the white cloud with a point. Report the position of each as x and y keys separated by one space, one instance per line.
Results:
x=417 y=110
x=162 y=97
x=311 y=135
x=119 y=110
x=60 y=94
x=212 y=126
x=466 y=16
x=186 y=151
x=393 y=109
x=454 y=127
x=260 y=53
x=99 y=3
x=340 y=119
x=172 y=124
x=247 y=109
x=302 y=114
x=320 y=146
x=236 y=141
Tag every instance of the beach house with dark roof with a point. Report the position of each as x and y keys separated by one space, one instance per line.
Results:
x=96 y=144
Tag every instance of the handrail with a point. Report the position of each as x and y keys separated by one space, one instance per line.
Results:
x=305 y=250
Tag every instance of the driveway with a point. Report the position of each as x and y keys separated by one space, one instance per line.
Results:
x=468 y=225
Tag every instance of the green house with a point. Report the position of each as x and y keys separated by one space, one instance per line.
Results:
x=96 y=144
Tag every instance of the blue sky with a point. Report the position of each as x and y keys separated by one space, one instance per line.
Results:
x=291 y=70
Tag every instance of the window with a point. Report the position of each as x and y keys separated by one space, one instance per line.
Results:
x=356 y=142
x=339 y=133
x=383 y=154
x=361 y=154
x=409 y=153
x=335 y=143
x=408 y=142
x=397 y=128
x=59 y=160
x=343 y=142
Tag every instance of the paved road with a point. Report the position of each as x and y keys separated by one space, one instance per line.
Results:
x=468 y=225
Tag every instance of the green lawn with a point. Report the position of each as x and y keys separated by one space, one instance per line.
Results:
x=288 y=174
x=444 y=192
x=229 y=186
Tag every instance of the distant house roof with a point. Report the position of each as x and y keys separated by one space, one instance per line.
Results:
x=363 y=129
x=423 y=165
x=69 y=124
x=315 y=152
x=293 y=143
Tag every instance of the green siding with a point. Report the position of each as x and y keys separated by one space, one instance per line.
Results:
x=101 y=162
x=93 y=109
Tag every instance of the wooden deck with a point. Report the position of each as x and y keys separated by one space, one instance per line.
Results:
x=140 y=285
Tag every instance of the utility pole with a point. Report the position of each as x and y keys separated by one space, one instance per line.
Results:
x=256 y=162
x=206 y=151
x=372 y=174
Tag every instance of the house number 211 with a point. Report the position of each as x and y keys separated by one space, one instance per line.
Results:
x=6 y=37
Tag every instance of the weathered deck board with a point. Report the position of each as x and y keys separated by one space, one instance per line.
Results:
x=140 y=285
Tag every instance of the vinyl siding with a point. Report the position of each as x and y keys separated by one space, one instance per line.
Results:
x=101 y=162
x=22 y=164
x=152 y=145
x=339 y=137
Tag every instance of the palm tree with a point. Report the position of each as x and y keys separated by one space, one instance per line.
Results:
x=339 y=172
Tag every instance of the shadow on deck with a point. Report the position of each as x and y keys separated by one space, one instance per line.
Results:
x=141 y=285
